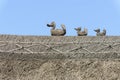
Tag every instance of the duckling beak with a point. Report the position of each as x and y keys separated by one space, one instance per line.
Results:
x=96 y=30
x=75 y=28
x=48 y=25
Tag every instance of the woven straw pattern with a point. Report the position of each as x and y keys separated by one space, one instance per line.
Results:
x=62 y=47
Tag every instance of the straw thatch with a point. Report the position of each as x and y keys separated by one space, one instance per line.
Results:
x=59 y=57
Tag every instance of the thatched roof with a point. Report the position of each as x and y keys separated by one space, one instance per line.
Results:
x=75 y=47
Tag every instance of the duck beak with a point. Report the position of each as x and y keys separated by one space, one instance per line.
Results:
x=95 y=30
x=48 y=25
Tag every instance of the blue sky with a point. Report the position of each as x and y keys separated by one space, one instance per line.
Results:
x=29 y=17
